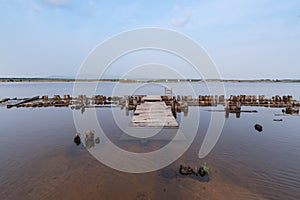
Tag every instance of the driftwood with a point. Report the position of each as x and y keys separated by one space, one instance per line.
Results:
x=22 y=102
x=4 y=100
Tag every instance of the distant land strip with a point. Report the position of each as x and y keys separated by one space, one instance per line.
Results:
x=143 y=80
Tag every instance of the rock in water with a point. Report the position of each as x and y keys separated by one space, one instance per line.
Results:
x=97 y=140
x=77 y=139
x=89 y=138
x=89 y=133
x=185 y=170
x=258 y=127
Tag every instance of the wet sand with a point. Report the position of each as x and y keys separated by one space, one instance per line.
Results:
x=72 y=173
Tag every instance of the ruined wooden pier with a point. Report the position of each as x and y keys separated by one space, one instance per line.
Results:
x=153 y=112
x=178 y=104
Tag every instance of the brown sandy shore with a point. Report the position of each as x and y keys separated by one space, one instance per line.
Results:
x=80 y=176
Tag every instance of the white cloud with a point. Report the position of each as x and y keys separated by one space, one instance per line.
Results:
x=181 y=15
x=180 y=21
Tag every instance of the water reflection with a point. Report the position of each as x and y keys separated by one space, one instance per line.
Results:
x=237 y=113
x=175 y=111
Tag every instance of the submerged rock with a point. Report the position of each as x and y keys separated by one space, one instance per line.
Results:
x=201 y=175
x=186 y=170
x=202 y=172
x=97 y=140
x=258 y=127
x=77 y=139
x=89 y=133
x=89 y=138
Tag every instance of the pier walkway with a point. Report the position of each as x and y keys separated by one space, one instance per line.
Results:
x=153 y=112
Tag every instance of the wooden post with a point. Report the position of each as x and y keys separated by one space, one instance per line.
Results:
x=127 y=103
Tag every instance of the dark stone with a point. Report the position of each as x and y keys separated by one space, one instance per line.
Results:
x=200 y=175
x=186 y=170
x=258 y=127
x=97 y=140
x=202 y=172
x=77 y=139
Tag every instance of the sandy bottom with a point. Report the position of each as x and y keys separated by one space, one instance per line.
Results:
x=75 y=174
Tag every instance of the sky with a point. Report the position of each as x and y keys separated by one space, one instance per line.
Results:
x=251 y=39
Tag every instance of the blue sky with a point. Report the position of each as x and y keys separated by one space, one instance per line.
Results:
x=246 y=39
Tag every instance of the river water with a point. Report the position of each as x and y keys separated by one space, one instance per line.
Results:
x=38 y=159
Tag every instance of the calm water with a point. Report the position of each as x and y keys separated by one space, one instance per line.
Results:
x=38 y=159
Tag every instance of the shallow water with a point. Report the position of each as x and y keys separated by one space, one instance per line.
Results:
x=109 y=88
x=40 y=161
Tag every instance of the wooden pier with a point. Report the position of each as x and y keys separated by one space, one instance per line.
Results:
x=153 y=112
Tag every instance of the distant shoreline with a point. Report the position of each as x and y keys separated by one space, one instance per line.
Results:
x=11 y=80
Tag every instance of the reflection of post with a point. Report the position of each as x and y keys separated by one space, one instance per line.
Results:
x=185 y=113
x=185 y=108
x=227 y=105
x=135 y=102
x=82 y=109
x=174 y=113
x=226 y=114
x=127 y=112
x=178 y=106
x=238 y=106
x=173 y=108
x=127 y=103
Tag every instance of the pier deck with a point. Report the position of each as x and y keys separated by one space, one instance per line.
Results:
x=153 y=114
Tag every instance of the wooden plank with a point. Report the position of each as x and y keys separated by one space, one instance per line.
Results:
x=151 y=98
x=153 y=114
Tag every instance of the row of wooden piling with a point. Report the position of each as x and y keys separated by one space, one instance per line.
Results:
x=45 y=104
x=234 y=102
x=4 y=100
x=261 y=99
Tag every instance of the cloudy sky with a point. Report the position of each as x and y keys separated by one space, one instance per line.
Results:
x=246 y=39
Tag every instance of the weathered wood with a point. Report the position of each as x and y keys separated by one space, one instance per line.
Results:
x=153 y=114
x=151 y=98
x=25 y=101
x=4 y=100
x=233 y=103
